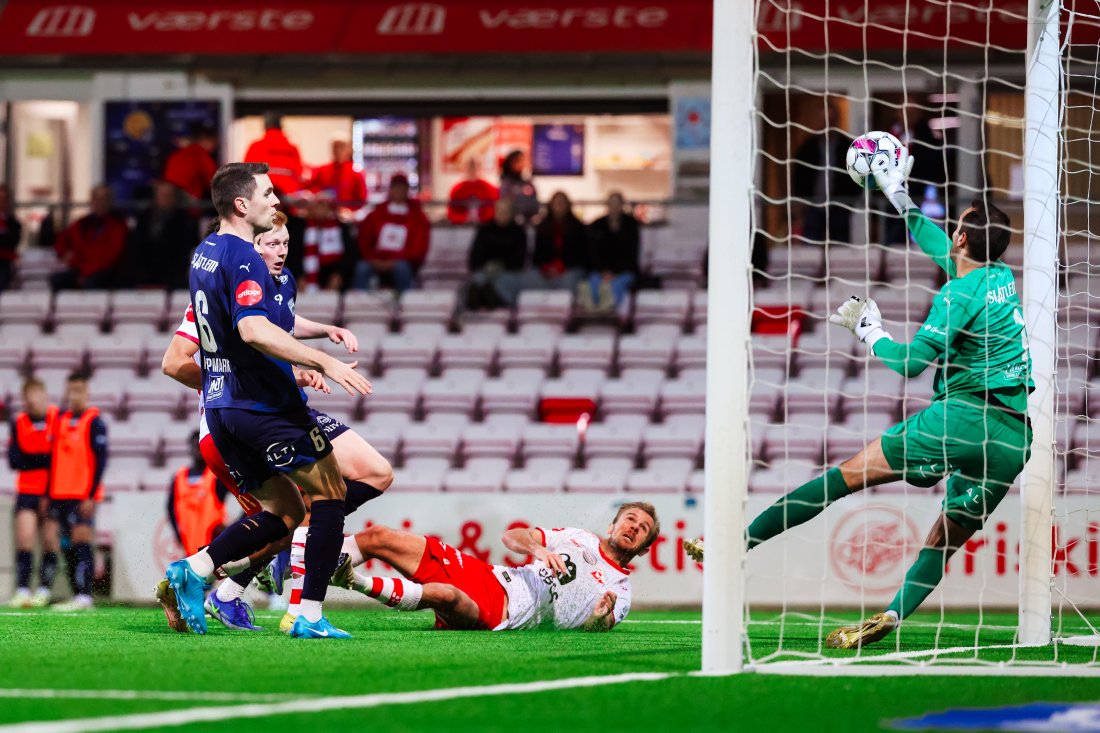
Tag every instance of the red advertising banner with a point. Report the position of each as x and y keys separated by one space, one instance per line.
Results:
x=281 y=27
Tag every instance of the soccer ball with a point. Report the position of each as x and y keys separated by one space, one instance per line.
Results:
x=872 y=152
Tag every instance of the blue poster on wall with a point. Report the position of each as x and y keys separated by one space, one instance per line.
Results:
x=557 y=150
x=139 y=137
x=693 y=123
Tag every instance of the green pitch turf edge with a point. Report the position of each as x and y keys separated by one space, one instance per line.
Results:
x=131 y=649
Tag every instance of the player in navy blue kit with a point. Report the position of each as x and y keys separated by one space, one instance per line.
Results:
x=255 y=410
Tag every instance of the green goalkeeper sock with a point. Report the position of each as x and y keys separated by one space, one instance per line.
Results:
x=923 y=577
x=797 y=507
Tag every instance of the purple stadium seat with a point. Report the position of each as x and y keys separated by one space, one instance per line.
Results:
x=322 y=306
x=456 y=392
x=398 y=390
x=405 y=350
x=428 y=306
x=364 y=307
x=513 y=392
x=474 y=348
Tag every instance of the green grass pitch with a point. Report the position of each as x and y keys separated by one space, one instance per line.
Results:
x=131 y=650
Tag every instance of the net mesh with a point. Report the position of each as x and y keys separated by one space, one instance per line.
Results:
x=948 y=78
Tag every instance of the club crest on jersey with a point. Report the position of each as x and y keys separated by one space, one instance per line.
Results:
x=598 y=575
x=249 y=293
x=588 y=556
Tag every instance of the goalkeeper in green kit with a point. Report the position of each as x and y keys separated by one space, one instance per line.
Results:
x=976 y=431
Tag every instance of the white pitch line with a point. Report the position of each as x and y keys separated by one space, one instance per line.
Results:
x=834 y=662
x=234 y=712
x=955 y=670
x=662 y=621
x=169 y=695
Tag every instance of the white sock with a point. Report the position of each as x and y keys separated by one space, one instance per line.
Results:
x=311 y=610
x=236 y=566
x=894 y=615
x=351 y=547
x=399 y=593
x=297 y=570
x=229 y=590
x=201 y=564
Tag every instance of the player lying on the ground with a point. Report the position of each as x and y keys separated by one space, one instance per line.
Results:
x=976 y=431
x=575 y=580
x=366 y=473
x=254 y=409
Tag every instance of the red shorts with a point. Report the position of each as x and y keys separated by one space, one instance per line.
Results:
x=215 y=463
x=444 y=564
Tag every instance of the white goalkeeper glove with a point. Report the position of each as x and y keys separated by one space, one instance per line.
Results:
x=894 y=181
x=861 y=317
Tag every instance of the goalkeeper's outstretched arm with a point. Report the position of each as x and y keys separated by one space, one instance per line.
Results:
x=933 y=241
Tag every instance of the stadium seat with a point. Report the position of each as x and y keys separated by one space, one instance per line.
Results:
x=139 y=438
x=429 y=440
x=62 y=352
x=119 y=350
x=158 y=479
x=531 y=349
x=691 y=352
x=158 y=394
x=633 y=393
x=586 y=351
x=25 y=307
x=612 y=441
x=427 y=306
x=662 y=476
x=814 y=390
x=322 y=306
x=368 y=336
x=456 y=392
x=398 y=390
x=577 y=384
x=601 y=479
x=673 y=440
x=474 y=348
x=384 y=435
x=696 y=482
x=543 y=479
x=54 y=378
x=409 y=350
x=516 y=391
x=338 y=403
x=17 y=339
x=699 y=310
x=800 y=437
x=783 y=476
x=81 y=306
x=178 y=300
x=490 y=440
x=140 y=306
x=650 y=351
x=107 y=388
x=683 y=395
x=544 y=306
x=662 y=306
x=369 y=307
x=548 y=439
x=422 y=475
x=479 y=475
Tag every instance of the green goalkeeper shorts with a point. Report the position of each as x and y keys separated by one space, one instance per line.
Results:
x=981 y=449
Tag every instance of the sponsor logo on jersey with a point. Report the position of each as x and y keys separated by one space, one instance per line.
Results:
x=249 y=293
x=216 y=364
x=598 y=575
x=204 y=263
x=247 y=267
x=281 y=454
x=215 y=388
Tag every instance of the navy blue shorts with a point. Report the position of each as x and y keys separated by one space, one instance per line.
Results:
x=259 y=445
x=27 y=502
x=66 y=512
x=333 y=428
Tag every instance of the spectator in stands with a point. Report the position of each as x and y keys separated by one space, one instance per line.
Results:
x=30 y=445
x=159 y=248
x=327 y=246
x=472 y=198
x=91 y=247
x=614 y=247
x=295 y=227
x=517 y=186
x=196 y=502
x=819 y=179
x=499 y=246
x=76 y=475
x=561 y=254
x=191 y=167
x=393 y=240
x=340 y=180
x=281 y=155
x=11 y=232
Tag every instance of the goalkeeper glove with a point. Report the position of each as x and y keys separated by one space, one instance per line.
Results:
x=861 y=317
x=894 y=181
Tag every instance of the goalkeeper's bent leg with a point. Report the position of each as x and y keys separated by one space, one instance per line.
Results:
x=798 y=507
x=927 y=570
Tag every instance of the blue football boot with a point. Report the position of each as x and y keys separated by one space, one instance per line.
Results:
x=190 y=591
x=234 y=614
x=322 y=629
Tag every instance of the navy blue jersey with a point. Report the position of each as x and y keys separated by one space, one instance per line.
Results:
x=229 y=281
x=286 y=290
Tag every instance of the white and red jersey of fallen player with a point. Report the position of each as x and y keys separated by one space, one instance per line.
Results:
x=537 y=596
x=190 y=331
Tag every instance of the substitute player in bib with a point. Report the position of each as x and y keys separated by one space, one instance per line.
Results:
x=255 y=411
x=976 y=431
x=29 y=450
x=576 y=580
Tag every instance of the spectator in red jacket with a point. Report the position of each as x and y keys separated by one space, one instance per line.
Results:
x=339 y=179
x=11 y=232
x=281 y=155
x=327 y=245
x=472 y=198
x=191 y=167
x=393 y=240
x=91 y=247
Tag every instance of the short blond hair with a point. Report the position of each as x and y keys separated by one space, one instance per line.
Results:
x=649 y=509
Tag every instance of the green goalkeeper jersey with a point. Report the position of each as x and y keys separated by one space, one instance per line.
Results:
x=975 y=329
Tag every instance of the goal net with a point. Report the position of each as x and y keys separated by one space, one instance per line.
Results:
x=956 y=82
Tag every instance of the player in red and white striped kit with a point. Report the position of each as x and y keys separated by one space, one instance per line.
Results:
x=576 y=579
